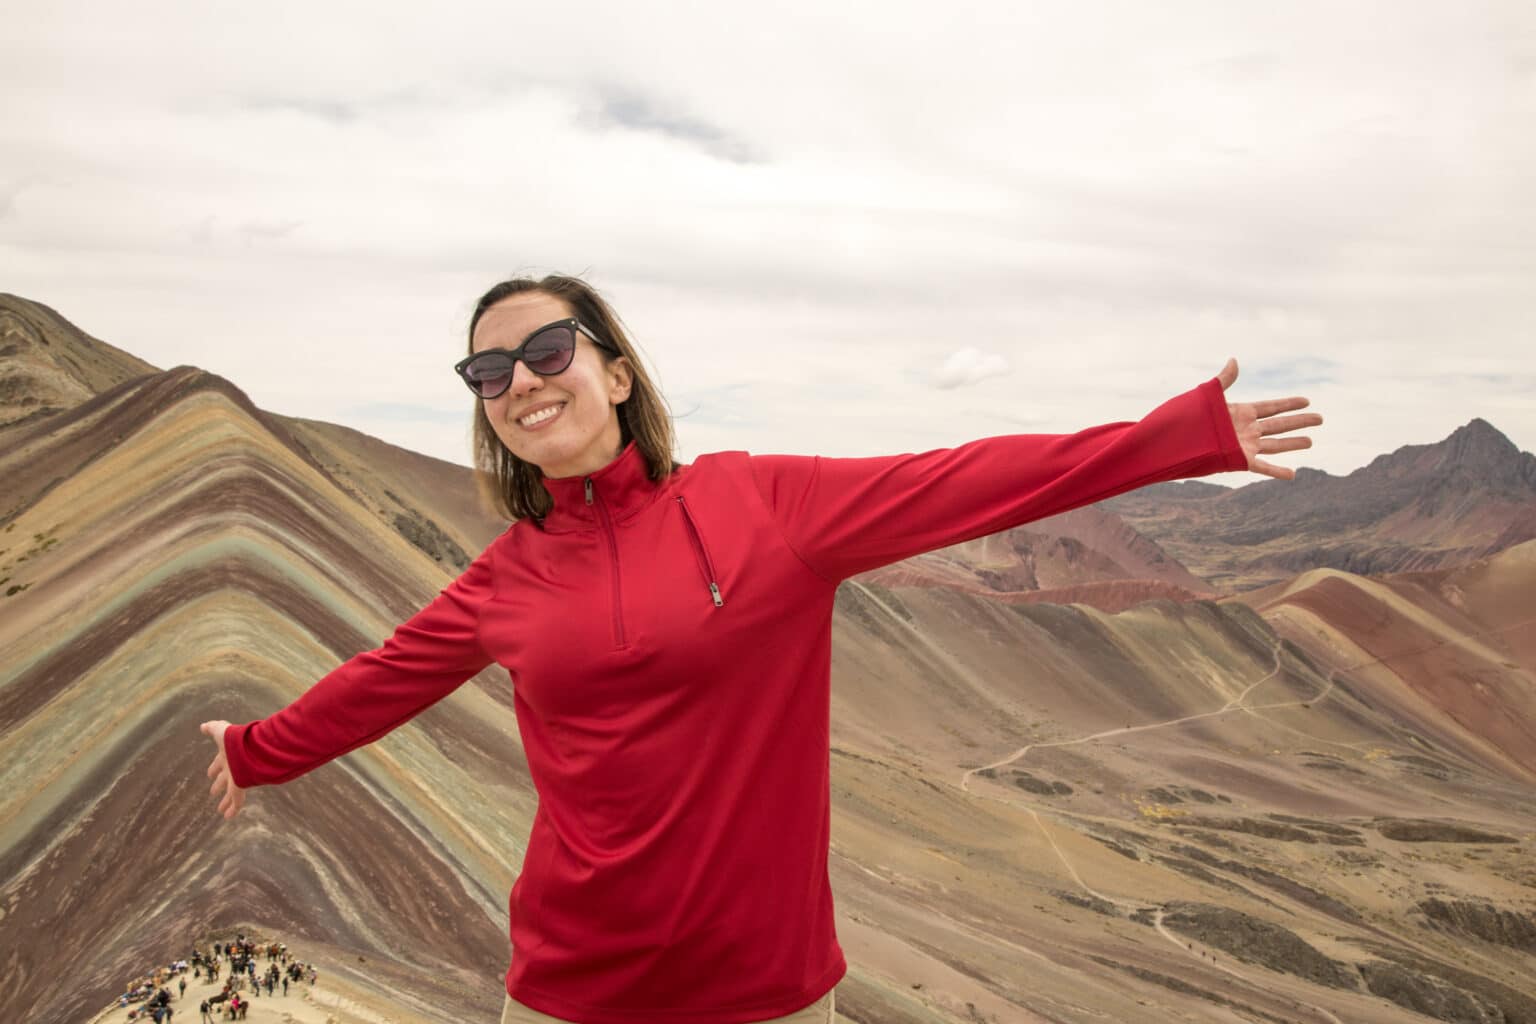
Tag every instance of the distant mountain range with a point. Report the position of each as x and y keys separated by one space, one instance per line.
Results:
x=1193 y=753
x=1421 y=507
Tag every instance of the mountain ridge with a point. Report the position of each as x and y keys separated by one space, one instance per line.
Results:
x=1417 y=508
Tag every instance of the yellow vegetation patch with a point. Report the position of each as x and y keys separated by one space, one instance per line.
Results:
x=1160 y=812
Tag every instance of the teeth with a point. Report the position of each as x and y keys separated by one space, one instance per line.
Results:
x=540 y=416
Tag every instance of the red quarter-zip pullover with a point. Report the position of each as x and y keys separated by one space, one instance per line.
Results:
x=670 y=651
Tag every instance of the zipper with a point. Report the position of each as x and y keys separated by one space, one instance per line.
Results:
x=613 y=553
x=705 y=565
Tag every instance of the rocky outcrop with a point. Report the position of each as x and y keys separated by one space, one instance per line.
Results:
x=429 y=538
x=1178 y=794
x=1276 y=830
x=1254 y=940
x=1483 y=921
x=1087 y=902
x=1427 y=994
x=1444 y=991
x=1406 y=831
x=1325 y=827
x=1029 y=782
x=1287 y=887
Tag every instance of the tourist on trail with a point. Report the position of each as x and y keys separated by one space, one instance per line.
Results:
x=183 y=985
x=206 y=1018
x=668 y=631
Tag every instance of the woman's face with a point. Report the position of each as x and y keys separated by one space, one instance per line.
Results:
x=582 y=435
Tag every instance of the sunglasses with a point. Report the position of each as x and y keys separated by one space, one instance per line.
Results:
x=547 y=351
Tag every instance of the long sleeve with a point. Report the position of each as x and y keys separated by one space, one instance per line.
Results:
x=426 y=658
x=846 y=516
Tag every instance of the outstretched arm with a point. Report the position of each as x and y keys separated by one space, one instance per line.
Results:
x=846 y=516
x=1256 y=423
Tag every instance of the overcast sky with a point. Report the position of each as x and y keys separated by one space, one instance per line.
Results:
x=844 y=228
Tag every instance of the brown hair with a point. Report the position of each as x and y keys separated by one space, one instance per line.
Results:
x=516 y=486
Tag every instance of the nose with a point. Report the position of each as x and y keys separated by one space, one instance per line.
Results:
x=524 y=380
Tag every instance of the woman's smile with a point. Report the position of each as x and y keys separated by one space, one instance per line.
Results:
x=540 y=416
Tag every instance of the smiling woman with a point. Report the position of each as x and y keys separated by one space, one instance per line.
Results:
x=668 y=632
x=600 y=390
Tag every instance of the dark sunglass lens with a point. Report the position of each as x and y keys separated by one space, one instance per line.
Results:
x=490 y=375
x=550 y=351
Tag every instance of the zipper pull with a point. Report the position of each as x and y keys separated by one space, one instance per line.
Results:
x=714 y=591
x=589 y=490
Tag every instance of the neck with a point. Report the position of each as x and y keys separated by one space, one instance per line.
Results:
x=611 y=448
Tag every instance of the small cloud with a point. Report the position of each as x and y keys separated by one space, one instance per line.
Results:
x=968 y=366
x=622 y=108
x=1301 y=372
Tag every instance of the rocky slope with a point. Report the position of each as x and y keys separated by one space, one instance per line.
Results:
x=48 y=364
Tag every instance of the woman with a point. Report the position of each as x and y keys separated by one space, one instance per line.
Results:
x=668 y=632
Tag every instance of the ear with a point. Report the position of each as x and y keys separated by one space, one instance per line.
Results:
x=620 y=380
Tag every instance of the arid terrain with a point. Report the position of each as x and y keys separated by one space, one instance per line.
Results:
x=1199 y=753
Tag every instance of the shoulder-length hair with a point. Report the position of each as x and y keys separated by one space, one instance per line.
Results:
x=517 y=487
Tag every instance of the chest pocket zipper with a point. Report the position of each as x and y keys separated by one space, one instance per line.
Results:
x=705 y=565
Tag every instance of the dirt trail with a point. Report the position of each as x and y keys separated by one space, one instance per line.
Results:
x=1236 y=704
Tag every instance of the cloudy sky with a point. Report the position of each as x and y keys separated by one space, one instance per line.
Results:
x=835 y=227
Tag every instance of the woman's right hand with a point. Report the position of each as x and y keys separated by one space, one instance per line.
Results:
x=218 y=771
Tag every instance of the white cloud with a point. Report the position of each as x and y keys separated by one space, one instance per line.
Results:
x=969 y=366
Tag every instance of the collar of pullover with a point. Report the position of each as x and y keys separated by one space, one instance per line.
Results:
x=619 y=489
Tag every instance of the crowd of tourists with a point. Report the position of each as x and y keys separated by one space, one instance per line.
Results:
x=250 y=971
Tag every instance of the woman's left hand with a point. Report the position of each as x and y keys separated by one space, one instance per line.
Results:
x=1257 y=422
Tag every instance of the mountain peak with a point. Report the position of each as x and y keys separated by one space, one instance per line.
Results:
x=47 y=364
x=1479 y=436
x=1477 y=450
